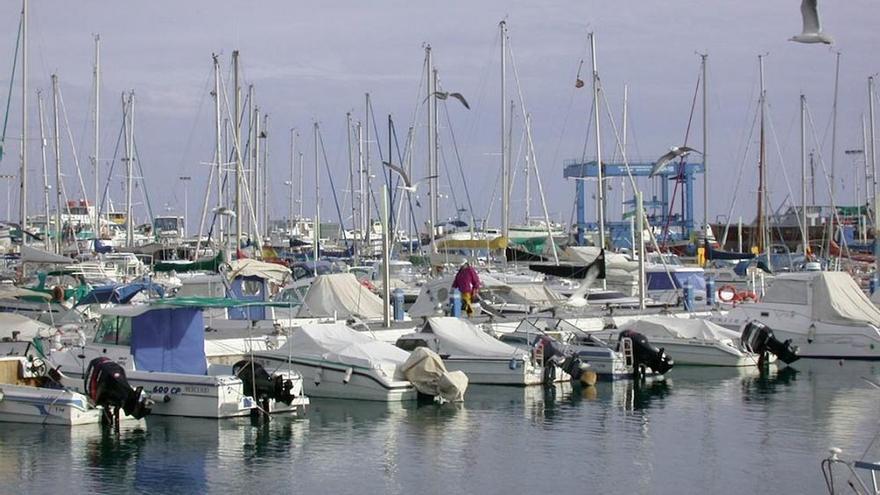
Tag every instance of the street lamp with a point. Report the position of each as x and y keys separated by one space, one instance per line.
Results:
x=185 y=179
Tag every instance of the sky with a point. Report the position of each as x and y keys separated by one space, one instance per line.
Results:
x=315 y=60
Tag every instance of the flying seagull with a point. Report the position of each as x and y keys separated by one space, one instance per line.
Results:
x=672 y=154
x=812 y=27
x=407 y=185
x=441 y=95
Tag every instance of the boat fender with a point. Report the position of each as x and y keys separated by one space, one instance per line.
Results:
x=347 y=377
x=727 y=289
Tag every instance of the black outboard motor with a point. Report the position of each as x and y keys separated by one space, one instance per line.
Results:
x=645 y=354
x=758 y=338
x=554 y=355
x=107 y=386
x=258 y=382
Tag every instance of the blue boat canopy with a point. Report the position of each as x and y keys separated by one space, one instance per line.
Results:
x=170 y=340
x=119 y=293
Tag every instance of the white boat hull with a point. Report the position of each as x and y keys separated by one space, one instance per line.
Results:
x=496 y=371
x=338 y=380
x=23 y=404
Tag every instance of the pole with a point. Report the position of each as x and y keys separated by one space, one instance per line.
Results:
x=805 y=233
x=351 y=177
x=129 y=169
x=236 y=131
x=301 y=170
x=505 y=173
x=316 y=232
x=873 y=154
x=640 y=226
x=705 y=58
x=218 y=149
x=96 y=164
x=24 y=125
x=185 y=179
x=386 y=270
x=600 y=197
x=432 y=183
x=834 y=131
x=368 y=187
x=45 y=169
x=292 y=172
x=760 y=221
x=58 y=184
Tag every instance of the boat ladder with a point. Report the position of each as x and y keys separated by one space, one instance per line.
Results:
x=626 y=347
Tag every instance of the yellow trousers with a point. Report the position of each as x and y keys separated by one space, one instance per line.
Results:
x=467 y=299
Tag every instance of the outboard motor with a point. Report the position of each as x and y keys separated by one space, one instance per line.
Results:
x=758 y=338
x=553 y=354
x=107 y=386
x=261 y=384
x=645 y=355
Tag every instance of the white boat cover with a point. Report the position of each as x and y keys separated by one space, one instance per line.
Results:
x=426 y=371
x=460 y=337
x=681 y=328
x=335 y=342
x=33 y=255
x=341 y=295
x=247 y=267
x=28 y=328
x=836 y=298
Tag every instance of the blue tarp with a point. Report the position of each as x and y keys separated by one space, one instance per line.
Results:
x=119 y=293
x=236 y=292
x=169 y=340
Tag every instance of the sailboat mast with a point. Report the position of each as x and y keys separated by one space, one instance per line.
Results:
x=45 y=169
x=301 y=169
x=834 y=132
x=351 y=177
x=96 y=206
x=368 y=187
x=704 y=59
x=806 y=232
x=218 y=147
x=24 y=125
x=293 y=134
x=600 y=197
x=432 y=183
x=316 y=232
x=505 y=173
x=362 y=204
x=57 y=147
x=265 y=176
x=528 y=178
x=873 y=154
x=236 y=131
x=129 y=169
x=760 y=223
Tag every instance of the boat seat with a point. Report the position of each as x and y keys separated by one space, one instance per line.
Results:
x=11 y=373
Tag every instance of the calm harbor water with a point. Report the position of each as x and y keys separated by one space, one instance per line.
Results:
x=701 y=430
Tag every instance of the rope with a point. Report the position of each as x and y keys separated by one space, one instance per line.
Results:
x=9 y=94
x=679 y=178
x=332 y=186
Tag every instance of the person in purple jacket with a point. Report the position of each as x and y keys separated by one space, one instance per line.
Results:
x=468 y=283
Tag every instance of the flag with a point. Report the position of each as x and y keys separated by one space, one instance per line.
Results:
x=578 y=83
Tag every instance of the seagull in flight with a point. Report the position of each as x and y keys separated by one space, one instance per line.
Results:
x=672 y=154
x=442 y=95
x=407 y=184
x=812 y=27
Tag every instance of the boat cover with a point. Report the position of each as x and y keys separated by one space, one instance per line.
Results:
x=460 y=337
x=27 y=328
x=34 y=255
x=335 y=342
x=120 y=293
x=836 y=298
x=247 y=267
x=681 y=328
x=425 y=370
x=170 y=340
x=341 y=295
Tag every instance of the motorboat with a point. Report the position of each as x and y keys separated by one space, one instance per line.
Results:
x=32 y=392
x=824 y=314
x=466 y=347
x=25 y=398
x=693 y=341
x=161 y=347
x=606 y=358
x=339 y=362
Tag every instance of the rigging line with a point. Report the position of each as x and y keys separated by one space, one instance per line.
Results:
x=206 y=89
x=566 y=116
x=679 y=178
x=467 y=190
x=11 y=85
x=105 y=194
x=834 y=212
x=742 y=167
x=137 y=157
x=332 y=184
x=72 y=146
x=632 y=181
x=779 y=155
x=451 y=187
x=378 y=141
x=407 y=154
